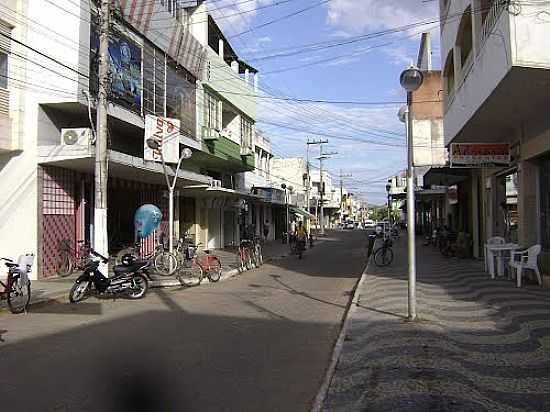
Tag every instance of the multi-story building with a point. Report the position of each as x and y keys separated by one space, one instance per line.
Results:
x=495 y=77
x=166 y=61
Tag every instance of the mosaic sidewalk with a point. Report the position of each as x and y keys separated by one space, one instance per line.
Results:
x=480 y=344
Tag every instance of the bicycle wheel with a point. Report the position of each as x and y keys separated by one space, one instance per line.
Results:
x=259 y=255
x=19 y=294
x=165 y=263
x=66 y=265
x=383 y=256
x=240 y=261
x=214 y=269
x=192 y=275
x=248 y=259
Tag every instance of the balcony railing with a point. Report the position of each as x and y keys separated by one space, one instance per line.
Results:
x=492 y=16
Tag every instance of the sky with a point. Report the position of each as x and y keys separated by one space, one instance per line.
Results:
x=369 y=139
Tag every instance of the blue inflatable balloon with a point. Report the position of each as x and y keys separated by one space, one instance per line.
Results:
x=146 y=220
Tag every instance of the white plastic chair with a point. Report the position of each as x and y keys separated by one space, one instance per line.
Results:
x=490 y=256
x=528 y=260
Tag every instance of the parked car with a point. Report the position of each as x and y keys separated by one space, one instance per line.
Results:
x=350 y=224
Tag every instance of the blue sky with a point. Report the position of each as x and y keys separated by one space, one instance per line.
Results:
x=366 y=70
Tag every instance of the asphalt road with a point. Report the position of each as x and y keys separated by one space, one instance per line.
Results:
x=258 y=342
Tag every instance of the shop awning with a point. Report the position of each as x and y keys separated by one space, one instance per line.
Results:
x=302 y=212
x=445 y=176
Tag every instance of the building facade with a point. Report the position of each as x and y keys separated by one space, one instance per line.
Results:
x=161 y=68
x=495 y=73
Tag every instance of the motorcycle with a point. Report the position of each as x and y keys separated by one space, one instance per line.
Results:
x=131 y=279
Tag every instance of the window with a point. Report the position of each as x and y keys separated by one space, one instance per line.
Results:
x=545 y=202
x=246 y=132
x=181 y=97
x=449 y=75
x=465 y=37
x=3 y=69
x=154 y=78
x=211 y=111
x=5 y=47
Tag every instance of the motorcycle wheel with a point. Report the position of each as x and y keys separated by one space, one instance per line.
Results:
x=139 y=288
x=79 y=291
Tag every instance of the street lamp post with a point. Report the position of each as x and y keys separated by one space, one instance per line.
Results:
x=186 y=154
x=287 y=230
x=411 y=79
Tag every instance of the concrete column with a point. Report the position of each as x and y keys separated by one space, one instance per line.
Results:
x=475 y=214
x=476 y=26
x=528 y=205
x=235 y=66
x=221 y=48
x=246 y=75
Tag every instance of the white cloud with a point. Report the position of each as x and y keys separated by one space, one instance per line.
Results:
x=235 y=17
x=352 y=16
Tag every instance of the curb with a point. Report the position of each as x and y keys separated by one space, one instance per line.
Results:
x=339 y=345
x=171 y=283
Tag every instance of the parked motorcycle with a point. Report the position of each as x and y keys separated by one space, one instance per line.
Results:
x=131 y=279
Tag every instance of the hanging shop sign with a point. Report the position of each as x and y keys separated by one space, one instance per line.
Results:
x=166 y=133
x=473 y=155
x=124 y=69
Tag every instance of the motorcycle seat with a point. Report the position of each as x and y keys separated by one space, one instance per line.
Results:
x=120 y=269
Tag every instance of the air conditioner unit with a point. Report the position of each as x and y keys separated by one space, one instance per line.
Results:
x=210 y=134
x=76 y=137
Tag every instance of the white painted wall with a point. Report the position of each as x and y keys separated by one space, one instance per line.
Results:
x=221 y=78
x=490 y=65
x=53 y=33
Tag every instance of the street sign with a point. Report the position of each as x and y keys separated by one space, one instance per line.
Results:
x=474 y=155
x=166 y=132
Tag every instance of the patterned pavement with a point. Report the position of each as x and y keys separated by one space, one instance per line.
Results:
x=480 y=344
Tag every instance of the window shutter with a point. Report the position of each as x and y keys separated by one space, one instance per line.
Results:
x=5 y=42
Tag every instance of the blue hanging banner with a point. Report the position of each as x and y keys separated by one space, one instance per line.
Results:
x=146 y=220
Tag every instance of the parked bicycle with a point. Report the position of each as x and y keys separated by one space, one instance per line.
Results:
x=383 y=256
x=71 y=259
x=194 y=266
x=244 y=255
x=164 y=262
x=17 y=289
x=257 y=252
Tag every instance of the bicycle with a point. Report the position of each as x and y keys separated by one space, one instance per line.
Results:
x=244 y=255
x=164 y=262
x=195 y=266
x=257 y=253
x=72 y=259
x=383 y=256
x=18 y=285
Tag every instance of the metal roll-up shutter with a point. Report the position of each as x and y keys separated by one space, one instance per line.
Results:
x=5 y=34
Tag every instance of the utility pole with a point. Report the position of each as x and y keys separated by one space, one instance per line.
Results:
x=322 y=156
x=314 y=142
x=342 y=176
x=308 y=179
x=101 y=243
